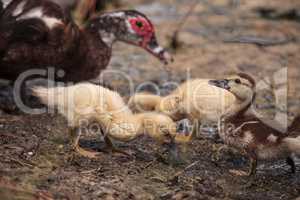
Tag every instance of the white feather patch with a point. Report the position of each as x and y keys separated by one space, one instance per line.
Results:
x=272 y=138
x=38 y=13
x=129 y=28
x=248 y=137
x=116 y=14
x=19 y=8
x=6 y=3
x=51 y=21
x=158 y=50
x=107 y=38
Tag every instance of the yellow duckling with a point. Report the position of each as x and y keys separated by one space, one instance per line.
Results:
x=195 y=99
x=86 y=101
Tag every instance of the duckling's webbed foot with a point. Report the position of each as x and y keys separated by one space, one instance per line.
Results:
x=291 y=163
x=86 y=153
x=219 y=152
x=75 y=133
x=112 y=149
x=252 y=170
x=253 y=164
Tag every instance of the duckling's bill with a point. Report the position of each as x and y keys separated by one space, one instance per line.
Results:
x=224 y=83
x=184 y=131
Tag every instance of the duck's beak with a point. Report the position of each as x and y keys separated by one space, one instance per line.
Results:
x=224 y=83
x=158 y=51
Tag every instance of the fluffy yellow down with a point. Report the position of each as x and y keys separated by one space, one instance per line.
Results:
x=194 y=99
x=87 y=101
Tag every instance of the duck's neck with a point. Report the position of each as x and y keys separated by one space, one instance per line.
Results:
x=227 y=119
x=238 y=108
x=106 y=27
x=95 y=56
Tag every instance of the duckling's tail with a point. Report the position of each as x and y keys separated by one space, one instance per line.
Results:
x=293 y=144
x=47 y=96
x=295 y=126
x=142 y=102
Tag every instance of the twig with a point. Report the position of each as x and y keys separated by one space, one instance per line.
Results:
x=90 y=171
x=175 y=176
x=174 y=38
x=21 y=163
x=259 y=41
x=12 y=147
x=244 y=124
x=159 y=177
x=149 y=164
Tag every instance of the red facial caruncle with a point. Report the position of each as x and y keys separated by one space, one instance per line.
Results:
x=143 y=28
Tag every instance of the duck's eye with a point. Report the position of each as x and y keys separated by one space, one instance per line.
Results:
x=139 y=24
x=237 y=81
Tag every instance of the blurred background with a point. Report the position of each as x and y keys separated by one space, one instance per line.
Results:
x=218 y=37
x=209 y=39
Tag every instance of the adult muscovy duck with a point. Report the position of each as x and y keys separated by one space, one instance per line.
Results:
x=36 y=34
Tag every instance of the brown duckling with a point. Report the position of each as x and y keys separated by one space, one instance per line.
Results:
x=258 y=139
x=90 y=102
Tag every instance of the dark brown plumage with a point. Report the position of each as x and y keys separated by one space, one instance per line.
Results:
x=37 y=34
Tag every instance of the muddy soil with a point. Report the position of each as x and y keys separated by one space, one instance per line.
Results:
x=37 y=162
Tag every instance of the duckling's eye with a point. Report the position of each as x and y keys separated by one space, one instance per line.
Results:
x=163 y=129
x=166 y=132
x=139 y=24
x=177 y=99
x=237 y=81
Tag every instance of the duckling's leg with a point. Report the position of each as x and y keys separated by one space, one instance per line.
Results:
x=253 y=164
x=75 y=134
x=217 y=156
x=111 y=148
x=291 y=163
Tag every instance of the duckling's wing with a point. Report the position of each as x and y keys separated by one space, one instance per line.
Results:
x=266 y=121
x=295 y=126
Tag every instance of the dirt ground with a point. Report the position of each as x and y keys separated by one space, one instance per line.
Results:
x=36 y=161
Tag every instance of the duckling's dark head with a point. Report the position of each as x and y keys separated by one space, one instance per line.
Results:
x=241 y=85
x=131 y=27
